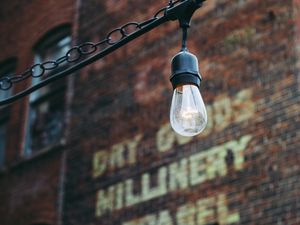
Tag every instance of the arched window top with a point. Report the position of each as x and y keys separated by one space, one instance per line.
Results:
x=53 y=44
x=7 y=66
x=52 y=36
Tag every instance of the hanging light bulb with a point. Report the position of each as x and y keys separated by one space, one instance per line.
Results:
x=188 y=115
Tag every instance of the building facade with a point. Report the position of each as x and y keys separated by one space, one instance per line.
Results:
x=97 y=148
x=31 y=170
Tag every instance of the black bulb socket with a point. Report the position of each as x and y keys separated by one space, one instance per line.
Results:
x=185 y=70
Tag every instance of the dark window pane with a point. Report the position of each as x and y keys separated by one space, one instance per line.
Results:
x=46 y=120
x=6 y=69
x=5 y=94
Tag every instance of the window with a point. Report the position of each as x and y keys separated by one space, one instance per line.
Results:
x=47 y=105
x=7 y=68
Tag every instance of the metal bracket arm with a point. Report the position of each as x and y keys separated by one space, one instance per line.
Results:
x=181 y=10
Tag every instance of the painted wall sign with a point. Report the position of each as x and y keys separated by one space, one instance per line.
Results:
x=187 y=172
x=200 y=212
x=221 y=114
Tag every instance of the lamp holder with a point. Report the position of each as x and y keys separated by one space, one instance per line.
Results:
x=185 y=68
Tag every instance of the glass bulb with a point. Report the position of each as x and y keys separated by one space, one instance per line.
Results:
x=188 y=114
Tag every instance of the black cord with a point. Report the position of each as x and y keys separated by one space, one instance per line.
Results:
x=184 y=38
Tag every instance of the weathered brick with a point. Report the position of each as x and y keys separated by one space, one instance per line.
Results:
x=124 y=164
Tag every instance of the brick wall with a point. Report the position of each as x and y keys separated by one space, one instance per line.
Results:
x=29 y=187
x=23 y=24
x=125 y=164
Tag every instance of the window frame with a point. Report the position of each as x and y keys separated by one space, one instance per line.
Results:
x=59 y=87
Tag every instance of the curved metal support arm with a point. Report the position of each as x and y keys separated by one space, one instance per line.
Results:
x=181 y=10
